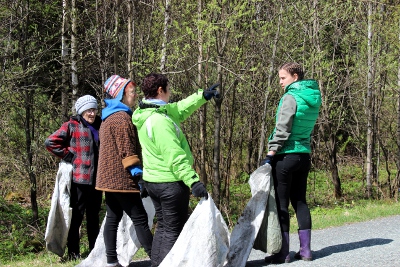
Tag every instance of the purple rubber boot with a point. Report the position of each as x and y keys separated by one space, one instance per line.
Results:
x=305 y=250
x=283 y=255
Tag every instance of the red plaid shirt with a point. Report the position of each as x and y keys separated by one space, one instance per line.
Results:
x=74 y=143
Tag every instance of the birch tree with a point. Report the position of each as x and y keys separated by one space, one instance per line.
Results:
x=131 y=36
x=167 y=20
x=74 y=51
x=370 y=104
x=64 y=61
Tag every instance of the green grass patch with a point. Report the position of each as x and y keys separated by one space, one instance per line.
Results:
x=19 y=236
x=38 y=260
x=361 y=211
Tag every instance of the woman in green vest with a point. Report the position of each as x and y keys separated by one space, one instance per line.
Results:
x=289 y=155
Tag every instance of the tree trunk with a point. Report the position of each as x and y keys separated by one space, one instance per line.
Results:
x=327 y=127
x=165 y=34
x=250 y=149
x=116 y=33
x=396 y=185
x=98 y=41
x=261 y=146
x=369 y=107
x=29 y=151
x=74 y=50
x=131 y=36
x=64 y=60
x=333 y=166
x=230 y=146
x=203 y=109
x=217 y=139
x=28 y=99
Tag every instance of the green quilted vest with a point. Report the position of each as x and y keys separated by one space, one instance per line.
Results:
x=308 y=99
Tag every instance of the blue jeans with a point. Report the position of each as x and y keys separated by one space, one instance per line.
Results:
x=290 y=172
x=171 y=202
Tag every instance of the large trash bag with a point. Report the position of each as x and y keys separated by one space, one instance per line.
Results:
x=127 y=241
x=245 y=232
x=269 y=237
x=204 y=239
x=59 y=219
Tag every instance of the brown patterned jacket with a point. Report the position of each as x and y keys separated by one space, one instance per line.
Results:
x=119 y=149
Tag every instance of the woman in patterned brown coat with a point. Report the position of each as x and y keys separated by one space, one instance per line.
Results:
x=120 y=167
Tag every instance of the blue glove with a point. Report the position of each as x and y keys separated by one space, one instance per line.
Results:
x=199 y=190
x=211 y=92
x=268 y=159
x=135 y=170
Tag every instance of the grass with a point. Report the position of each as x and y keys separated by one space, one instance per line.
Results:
x=362 y=211
x=40 y=259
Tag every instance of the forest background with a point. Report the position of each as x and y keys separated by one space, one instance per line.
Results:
x=55 y=51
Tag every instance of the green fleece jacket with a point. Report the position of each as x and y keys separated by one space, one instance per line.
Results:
x=165 y=150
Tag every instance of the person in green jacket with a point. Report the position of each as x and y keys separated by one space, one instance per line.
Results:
x=289 y=155
x=168 y=172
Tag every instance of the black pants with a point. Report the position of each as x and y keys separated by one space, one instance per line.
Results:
x=83 y=198
x=290 y=172
x=171 y=202
x=132 y=204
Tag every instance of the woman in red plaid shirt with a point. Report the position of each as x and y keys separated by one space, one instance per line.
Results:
x=77 y=142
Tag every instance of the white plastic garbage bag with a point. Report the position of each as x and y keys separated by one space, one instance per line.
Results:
x=248 y=225
x=60 y=214
x=269 y=237
x=127 y=241
x=204 y=239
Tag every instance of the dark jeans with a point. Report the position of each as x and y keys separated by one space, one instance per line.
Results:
x=131 y=203
x=290 y=172
x=83 y=198
x=171 y=202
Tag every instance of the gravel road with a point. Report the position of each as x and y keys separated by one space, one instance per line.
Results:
x=373 y=243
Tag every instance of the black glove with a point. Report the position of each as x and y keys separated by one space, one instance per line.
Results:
x=199 y=190
x=211 y=92
x=143 y=190
x=268 y=159
x=70 y=157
